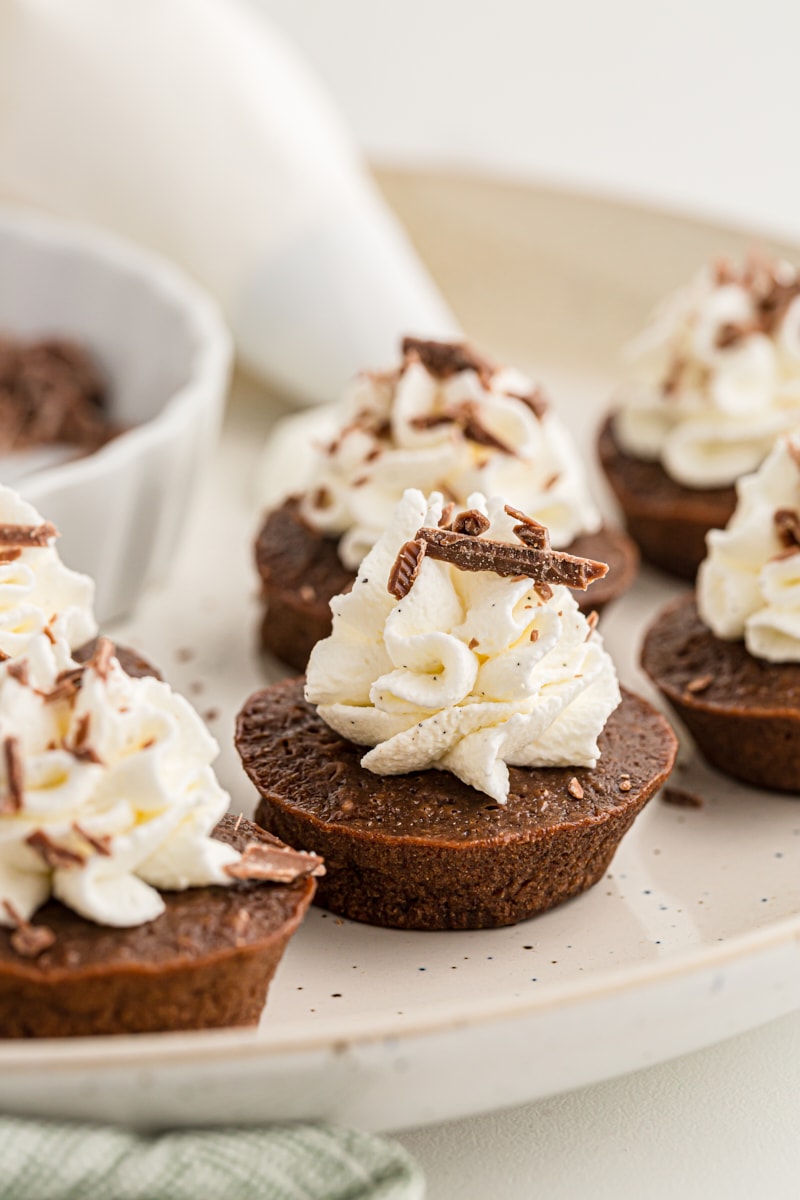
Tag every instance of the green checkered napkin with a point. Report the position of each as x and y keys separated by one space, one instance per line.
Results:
x=47 y=1160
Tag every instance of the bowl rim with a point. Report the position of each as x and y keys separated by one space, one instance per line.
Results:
x=210 y=360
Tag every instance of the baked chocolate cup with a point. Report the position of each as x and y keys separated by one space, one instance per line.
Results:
x=206 y=962
x=301 y=572
x=424 y=850
x=131 y=661
x=668 y=521
x=744 y=714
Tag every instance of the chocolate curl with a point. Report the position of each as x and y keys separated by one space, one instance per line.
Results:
x=505 y=559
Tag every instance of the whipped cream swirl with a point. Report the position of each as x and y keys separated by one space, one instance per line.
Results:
x=716 y=376
x=446 y=420
x=749 y=584
x=469 y=673
x=37 y=591
x=107 y=792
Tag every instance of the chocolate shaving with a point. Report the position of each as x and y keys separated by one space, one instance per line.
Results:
x=473 y=643
x=733 y=332
x=19 y=670
x=444 y=359
x=536 y=401
x=56 y=857
x=447 y=515
x=274 y=864
x=8 y=556
x=591 y=621
x=787 y=527
x=79 y=748
x=475 y=430
x=681 y=798
x=68 y=684
x=672 y=379
x=28 y=535
x=544 y=592
x=101 y=659
x=15 y=778
x=531 y=532
x=406 y=568
x=28 y=941
x=505 y=559
x=534 y=635
x=101 y=843
x=574 y=788
x=431 y=420
x=472 y=522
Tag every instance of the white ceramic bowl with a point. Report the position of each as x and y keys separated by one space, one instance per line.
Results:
x=167 y=354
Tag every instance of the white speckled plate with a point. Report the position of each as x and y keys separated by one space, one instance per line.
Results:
x=692 y=937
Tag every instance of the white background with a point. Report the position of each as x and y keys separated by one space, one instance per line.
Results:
x=691 y=103
x=688 y=105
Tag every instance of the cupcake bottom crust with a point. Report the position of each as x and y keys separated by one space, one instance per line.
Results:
x=668 y=521
x=424 y=850
x=744 y=714
x=301 y=571
x=206 y=962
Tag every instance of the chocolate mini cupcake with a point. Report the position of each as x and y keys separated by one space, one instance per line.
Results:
x=446 y=419
x=713 y=382
x=504 y=766
x=728 y=661
x=128 y=902
x=207 y=961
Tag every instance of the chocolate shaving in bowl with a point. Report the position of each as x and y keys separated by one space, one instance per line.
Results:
x=505 y=559
x=274 y=864
x=406 y=568
x=28 y=535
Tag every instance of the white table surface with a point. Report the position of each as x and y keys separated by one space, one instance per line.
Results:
x=720 y=1123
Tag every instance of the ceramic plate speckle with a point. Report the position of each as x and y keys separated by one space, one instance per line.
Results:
x=693 y=936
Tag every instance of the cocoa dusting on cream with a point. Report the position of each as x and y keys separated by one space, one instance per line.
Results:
x=275 y=864
x=406 y=569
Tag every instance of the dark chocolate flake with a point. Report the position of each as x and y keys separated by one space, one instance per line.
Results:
x=681 y=798
x=787 y=527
